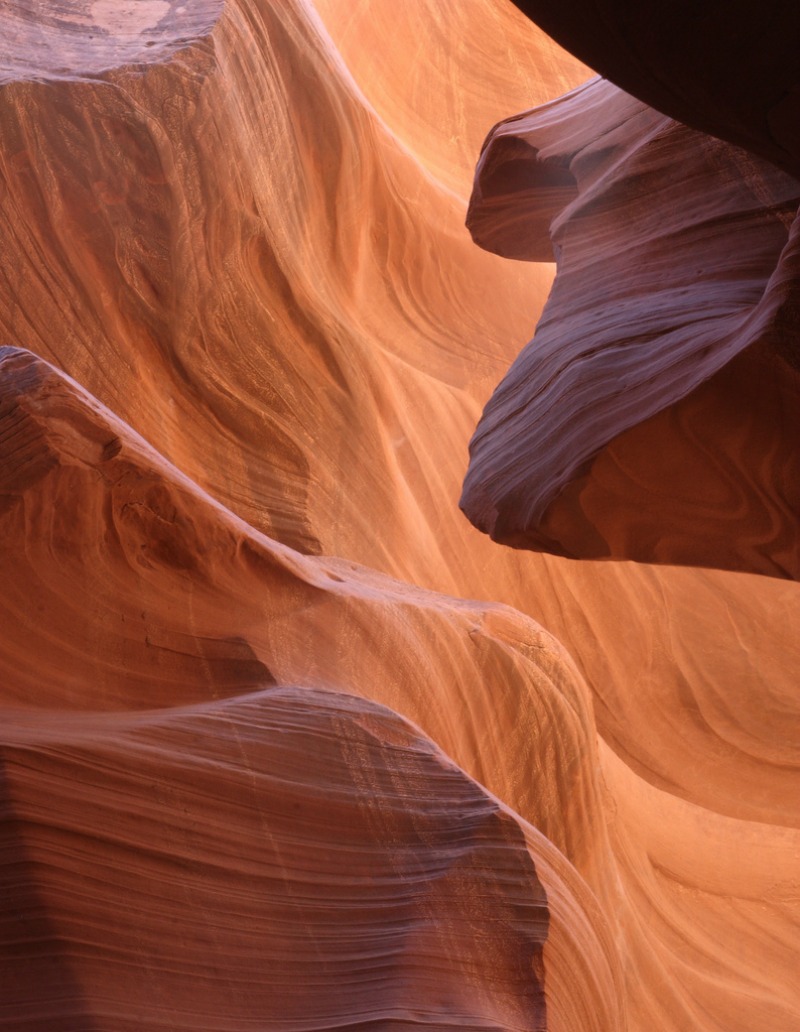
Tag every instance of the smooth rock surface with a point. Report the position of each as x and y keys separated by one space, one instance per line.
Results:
x=165 y=670
x=257 y=893
x=654 y=416
x=248 y=339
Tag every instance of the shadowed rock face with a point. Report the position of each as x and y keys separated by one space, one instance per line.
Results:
x=728 y=68
x=654 y=415
x=287 y=744
x=246 y=875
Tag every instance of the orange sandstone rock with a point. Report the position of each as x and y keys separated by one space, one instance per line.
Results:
x=235 y=577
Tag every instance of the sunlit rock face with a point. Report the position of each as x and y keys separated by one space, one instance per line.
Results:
x=182 y=732
x=655 y=414
x=286 y=743
x=241 y=252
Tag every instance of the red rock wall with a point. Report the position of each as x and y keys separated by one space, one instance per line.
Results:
x=287 y=744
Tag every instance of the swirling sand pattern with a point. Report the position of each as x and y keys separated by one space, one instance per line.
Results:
x=247 y=250
x=142 y=676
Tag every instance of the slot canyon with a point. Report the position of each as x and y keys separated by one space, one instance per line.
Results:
x=399 y=490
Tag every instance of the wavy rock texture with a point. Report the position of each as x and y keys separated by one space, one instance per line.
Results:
x=247 y=876
x=395 y=872
x=274 y=753
x=654 y=415
x=185 y=620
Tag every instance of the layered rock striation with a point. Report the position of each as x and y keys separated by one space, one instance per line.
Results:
x=268 y=843
x=286 y=743
x=654 y=414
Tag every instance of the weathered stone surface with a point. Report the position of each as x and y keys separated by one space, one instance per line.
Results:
x=655 y=414
x=286 y=743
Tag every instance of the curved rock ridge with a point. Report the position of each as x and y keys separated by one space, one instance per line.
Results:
x=470 y=55
x=190 y=608
x=229 y=374
x=170 y=575
x=654 y=414
x=690 y=694
x=694 y=892
x=237 y=232
x=247 y=246
x=728 y=69
x=377 y=877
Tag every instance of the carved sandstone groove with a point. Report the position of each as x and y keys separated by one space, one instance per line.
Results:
x=654 y=414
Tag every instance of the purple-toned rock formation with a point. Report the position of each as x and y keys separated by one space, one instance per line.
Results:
x=654 y=416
